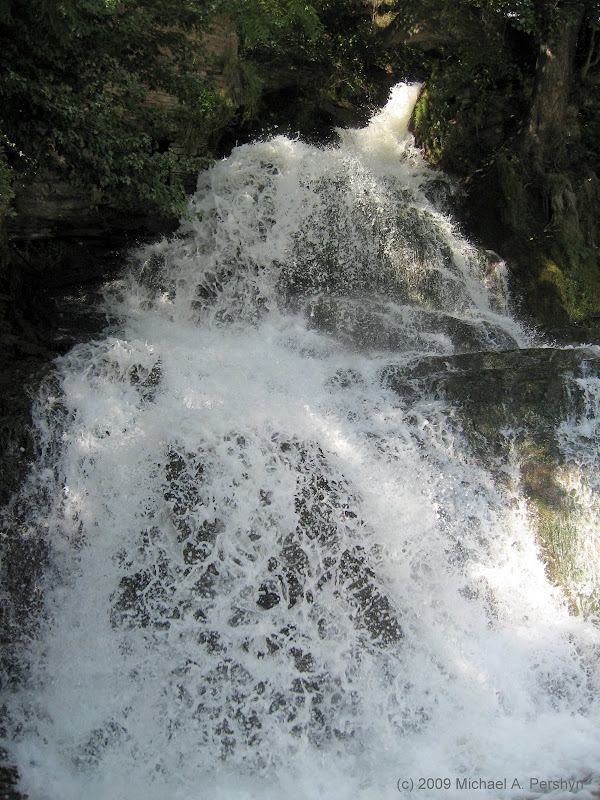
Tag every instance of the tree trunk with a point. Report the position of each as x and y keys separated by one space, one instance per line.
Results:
x=545 y=130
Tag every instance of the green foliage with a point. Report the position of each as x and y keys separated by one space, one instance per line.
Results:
x=349 y=45
x=539 y=18
x=544 y=20
x=462 y=117
x=74 y=76
x=325 y=47
x=252 y=85
x=276 y=29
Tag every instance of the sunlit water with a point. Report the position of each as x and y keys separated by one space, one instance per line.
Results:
x=269 y=575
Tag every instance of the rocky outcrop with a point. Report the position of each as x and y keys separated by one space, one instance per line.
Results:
x=530 y=416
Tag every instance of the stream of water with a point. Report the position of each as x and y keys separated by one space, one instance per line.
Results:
x=268 y=575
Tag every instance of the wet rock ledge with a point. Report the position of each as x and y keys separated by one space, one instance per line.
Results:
x=531 y=417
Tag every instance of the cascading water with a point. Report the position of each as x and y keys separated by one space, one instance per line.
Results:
x=267 y=574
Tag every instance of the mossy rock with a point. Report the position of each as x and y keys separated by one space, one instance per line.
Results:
x=511 y=407
x=532 y=390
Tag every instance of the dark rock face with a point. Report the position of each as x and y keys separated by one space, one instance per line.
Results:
x=322 y=552
x=58 y=306
x=60 y=309
x=272 y=582
x=8 y=779
x=531 y=390
x=516 y=407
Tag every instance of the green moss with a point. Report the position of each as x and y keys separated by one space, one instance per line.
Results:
x=559 y=536
x=436 y=131
x=552 y=285
x=550 y=246
x=428 y=129
x=553 y=242
x=556 y=534
x=586 y=289
x=558 y=522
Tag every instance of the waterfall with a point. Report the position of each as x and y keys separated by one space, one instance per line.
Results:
x=269 y=570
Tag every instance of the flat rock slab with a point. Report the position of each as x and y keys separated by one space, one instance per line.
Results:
x=531 y=390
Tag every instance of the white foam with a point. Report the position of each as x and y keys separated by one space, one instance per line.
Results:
x=238 y=410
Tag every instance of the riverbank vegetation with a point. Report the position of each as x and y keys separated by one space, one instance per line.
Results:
x=125 y=100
